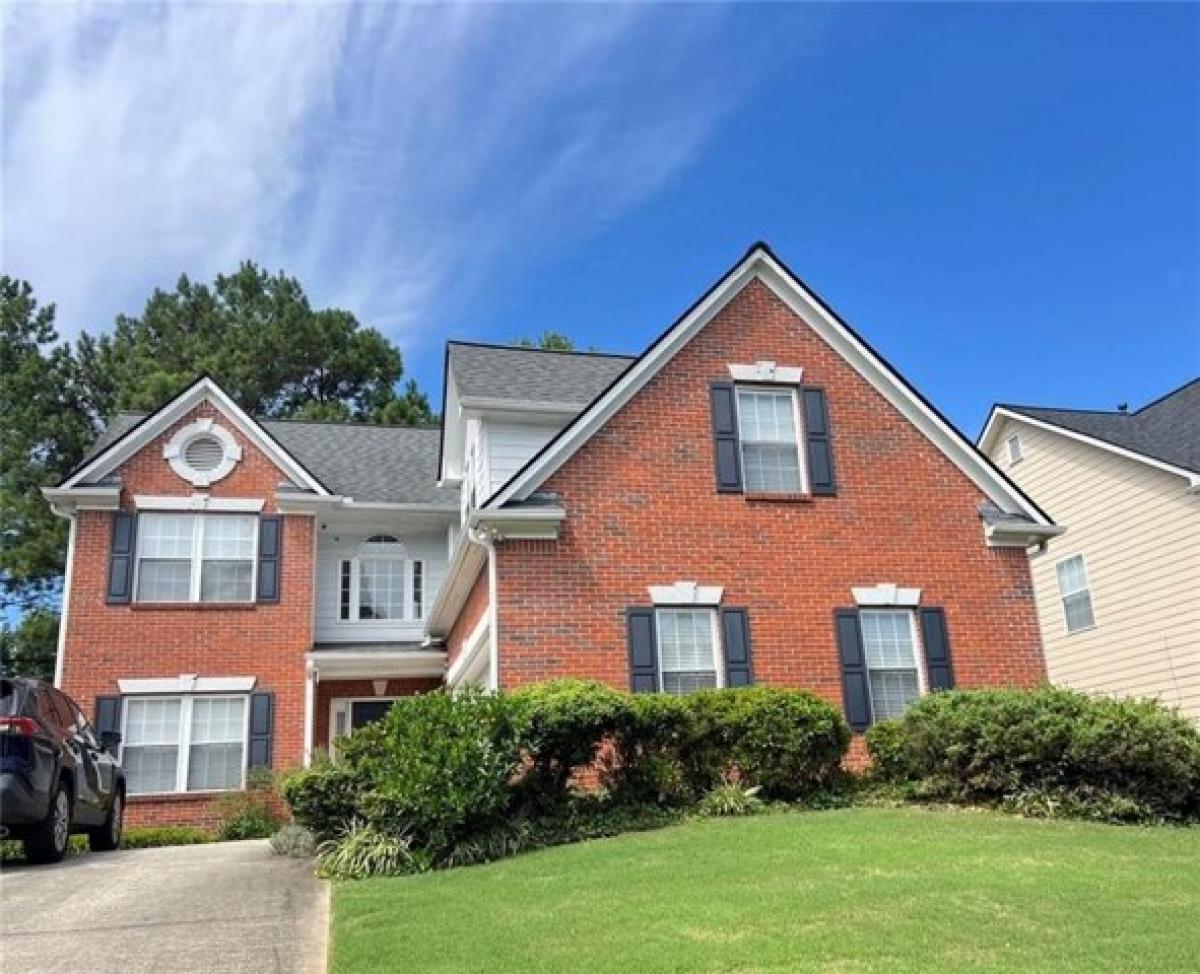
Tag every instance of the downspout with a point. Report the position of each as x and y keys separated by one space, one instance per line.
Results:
x=61 y=649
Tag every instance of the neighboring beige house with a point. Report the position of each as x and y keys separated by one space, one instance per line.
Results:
x=1119 y=593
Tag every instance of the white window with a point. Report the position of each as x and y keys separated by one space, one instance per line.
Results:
x=688 y=650
x=768 y=425
x=894 y=675
x=1014 y=449
x=1075 y=593
x=196 y=557
x=184 y=743
x=381 y=584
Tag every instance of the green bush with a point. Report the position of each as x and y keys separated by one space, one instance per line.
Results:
x=325 y=796
x=1120 y=759
x=438 y=767
x=158 y=836
x=886 y=744
x=563 y=726
x=789 y=742
x=364 y=850
x=294 y=841
x=729 y=800
x=249 y=814
x=647 y=760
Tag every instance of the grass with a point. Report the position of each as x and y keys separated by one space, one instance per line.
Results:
x=856 y=890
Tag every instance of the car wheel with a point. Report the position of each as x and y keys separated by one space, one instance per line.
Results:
x=48 y=841
x=108 y=836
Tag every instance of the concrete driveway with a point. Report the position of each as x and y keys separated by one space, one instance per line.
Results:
x=221 y=908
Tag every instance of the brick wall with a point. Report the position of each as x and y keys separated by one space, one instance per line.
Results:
x=642 y=510
x=468 y=618
x=105 y=643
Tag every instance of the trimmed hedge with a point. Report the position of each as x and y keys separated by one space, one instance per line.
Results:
x=1048 y=751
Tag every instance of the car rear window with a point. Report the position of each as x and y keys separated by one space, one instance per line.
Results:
x=10 y=698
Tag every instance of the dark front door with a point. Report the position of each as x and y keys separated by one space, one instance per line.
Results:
x=363 y=712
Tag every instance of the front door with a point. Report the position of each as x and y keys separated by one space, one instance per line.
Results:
x=363 y=712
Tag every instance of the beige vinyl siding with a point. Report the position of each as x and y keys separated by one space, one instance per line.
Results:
x=1138 y=529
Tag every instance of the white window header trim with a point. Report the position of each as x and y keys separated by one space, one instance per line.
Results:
x=767 y=372
x=686 y=593
x=188 y=683
x=198 y=502
x=886 y=594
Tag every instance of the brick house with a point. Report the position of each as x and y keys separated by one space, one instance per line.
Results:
x=757 y=497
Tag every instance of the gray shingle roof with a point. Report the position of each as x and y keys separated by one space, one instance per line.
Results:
x=394 y=464
x=532 y=375
x=1168 y=429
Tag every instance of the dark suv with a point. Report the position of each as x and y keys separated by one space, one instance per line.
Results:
x=55 y=776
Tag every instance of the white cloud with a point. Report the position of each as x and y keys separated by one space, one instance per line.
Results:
x=379 y=152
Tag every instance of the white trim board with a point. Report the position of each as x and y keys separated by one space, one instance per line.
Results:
x=203 y=389
x=762 y=265
x=999 y=413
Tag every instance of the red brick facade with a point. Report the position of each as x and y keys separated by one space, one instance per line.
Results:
x=472 y=611
x=642 y=510
x=105 y=642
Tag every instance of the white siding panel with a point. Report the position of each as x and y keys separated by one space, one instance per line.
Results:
x=1139 y=532
x=336 y=545
x=510 y=445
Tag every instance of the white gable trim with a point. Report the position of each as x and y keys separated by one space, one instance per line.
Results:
x=761 y=264
x=199 y=391
x=999 y=414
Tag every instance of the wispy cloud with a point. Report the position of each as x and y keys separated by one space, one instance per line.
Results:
x=393 y=157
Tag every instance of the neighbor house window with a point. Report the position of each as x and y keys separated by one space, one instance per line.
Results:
x=196 y=558
x=767 y=429
x=1014 y=449
x=687 y=649
x=381 y=583
x=1075 y=594
x=185 y=743
x=893 y=667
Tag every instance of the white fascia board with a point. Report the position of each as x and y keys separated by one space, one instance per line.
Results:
x=1018 y=534
x=343 y=665
x=454 y=434
x=465 y=564
x=188 y=683
x=999 y=414
x=761 y=264
x=204 y=388
x=290 y=503
x=486 y=405
x=535 y=524
x=198 y=502
x=92 y=497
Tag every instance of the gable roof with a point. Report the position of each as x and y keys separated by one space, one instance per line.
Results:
x=366 y=462
x=531 y=375
x=1166 y=431
x=762 y=264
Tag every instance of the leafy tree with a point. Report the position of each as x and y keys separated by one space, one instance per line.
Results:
x=554 y=341
x=30 y=648
x=257 y=335
x=44 y=433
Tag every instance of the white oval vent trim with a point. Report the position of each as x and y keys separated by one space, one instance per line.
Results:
x=202 y=452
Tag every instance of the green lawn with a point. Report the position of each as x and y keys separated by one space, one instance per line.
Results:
x=858 y=890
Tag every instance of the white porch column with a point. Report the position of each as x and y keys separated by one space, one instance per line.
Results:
x=311 y=676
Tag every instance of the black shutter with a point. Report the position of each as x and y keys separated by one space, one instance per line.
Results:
x=270 y=547
x=936 y=640
x=108 y=715
x=120 y=558
x=262 y=712
x=855 y=692
x=643 y=651
x=820 y=450
x=735 y=634
x=726 y=450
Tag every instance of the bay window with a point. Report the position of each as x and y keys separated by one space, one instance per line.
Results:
x=196 y=557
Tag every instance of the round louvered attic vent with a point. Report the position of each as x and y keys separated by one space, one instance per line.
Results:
x=204 y=453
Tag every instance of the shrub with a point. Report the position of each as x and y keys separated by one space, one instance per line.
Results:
x=294 y=841
x=886 y=743
x=646 y=762
x=731 y=799
x=790 y=742
x=325 y=796
x=248 y=814
x=1123 y=759
x=438 y=767
x=158 y=836
x=564 y=724
x=365 y=850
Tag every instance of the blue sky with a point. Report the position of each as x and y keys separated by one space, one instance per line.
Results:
x=1004 y=199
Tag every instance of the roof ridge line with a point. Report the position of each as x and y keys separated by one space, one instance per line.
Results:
x=528 y=348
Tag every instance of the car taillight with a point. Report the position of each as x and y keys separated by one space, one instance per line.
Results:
x=22 y=726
